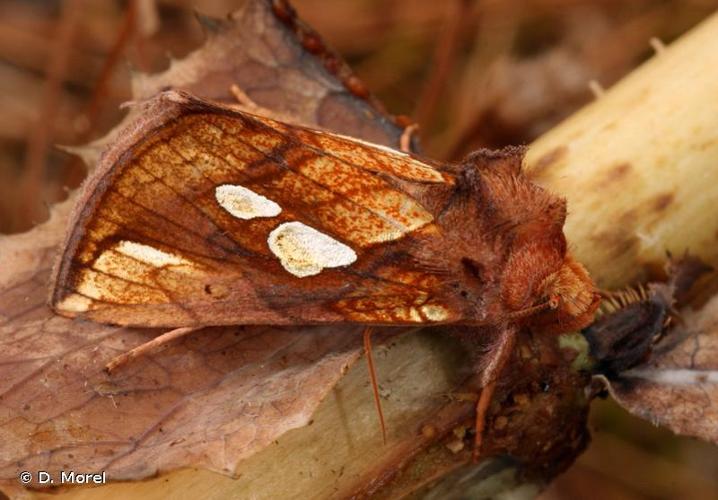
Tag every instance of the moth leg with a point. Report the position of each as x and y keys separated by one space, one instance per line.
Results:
x=406 y=135
x=499 y=354
x=243 y=99
x=372 y=375
x=147 y=347
x=245 y=103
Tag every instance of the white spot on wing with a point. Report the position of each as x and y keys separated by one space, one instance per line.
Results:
x=125 y=274
x=100 y=286
x=304 y=251
x=414 y=315
x=149 y=255
x=434 y=312
x=244 y=203
x=74 y=303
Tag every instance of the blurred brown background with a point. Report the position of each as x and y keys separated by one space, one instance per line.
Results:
x=471 y=73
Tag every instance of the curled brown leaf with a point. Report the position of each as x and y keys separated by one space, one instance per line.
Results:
x=678 y=387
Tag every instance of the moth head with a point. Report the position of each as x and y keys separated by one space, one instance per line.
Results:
x=570 y=295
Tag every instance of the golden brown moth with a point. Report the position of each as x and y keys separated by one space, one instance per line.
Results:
x=203 y=215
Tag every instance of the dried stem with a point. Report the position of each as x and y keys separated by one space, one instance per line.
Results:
x=638 y=164
x=100 y=91
x=443 y=61
x=41 y=135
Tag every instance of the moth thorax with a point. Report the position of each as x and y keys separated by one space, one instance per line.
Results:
x=570 y=289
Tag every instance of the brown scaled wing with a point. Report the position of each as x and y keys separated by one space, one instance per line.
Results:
x=198 y=215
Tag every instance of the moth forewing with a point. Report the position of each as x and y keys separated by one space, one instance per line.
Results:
x=201 y=214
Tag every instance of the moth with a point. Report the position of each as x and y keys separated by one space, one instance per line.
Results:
x=202 y=215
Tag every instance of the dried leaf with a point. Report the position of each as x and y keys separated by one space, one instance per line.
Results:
x=220 y=394
x=280 y=63
x=678 y=387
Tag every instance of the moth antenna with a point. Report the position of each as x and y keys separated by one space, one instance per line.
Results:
x=529 y=311
x=147 y=347
x=406 y=135
x=372 y=375
x=608 y=304
x=624 y=298
x=242 y=98
x=643 y=291
x=247 y=105
x=614 y=301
